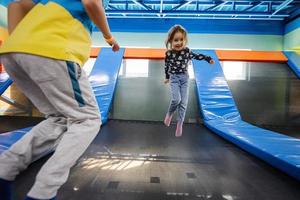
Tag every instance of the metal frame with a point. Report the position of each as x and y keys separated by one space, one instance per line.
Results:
x=201 y=9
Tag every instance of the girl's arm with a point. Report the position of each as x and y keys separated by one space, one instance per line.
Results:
x=16 y=11
x=96 y=13
x=200 y=57
x=167 y=63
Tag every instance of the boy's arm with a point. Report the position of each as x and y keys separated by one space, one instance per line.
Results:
x=16 y=11
x=96 y=13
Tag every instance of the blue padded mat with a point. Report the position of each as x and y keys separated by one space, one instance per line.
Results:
x=103 y=78
x=9 y=138
x=5 y=82
x=222 y=117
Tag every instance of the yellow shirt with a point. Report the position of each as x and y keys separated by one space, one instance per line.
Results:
x=51 y=31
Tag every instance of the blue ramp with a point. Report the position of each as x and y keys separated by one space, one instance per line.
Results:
x=293 y=62
x=222 y=117
x=103 y=78
x=9 y=138
x=5 y=82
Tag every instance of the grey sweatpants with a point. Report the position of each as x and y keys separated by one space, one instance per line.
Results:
x=61 y=91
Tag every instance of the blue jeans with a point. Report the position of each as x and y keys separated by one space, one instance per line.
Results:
x=179 y=89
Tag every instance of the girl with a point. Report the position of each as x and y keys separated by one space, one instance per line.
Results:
x=176 y=66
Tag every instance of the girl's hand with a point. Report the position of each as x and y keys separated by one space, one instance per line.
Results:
x=211 y=62
x=166 y=81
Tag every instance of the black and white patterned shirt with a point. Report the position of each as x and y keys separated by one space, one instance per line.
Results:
x=176 y=62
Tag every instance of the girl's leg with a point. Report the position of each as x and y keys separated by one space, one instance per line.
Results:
x=175 y=99
x=184 y=92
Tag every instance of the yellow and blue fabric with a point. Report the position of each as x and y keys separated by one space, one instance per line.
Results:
x=222 y=117
x=58 y=29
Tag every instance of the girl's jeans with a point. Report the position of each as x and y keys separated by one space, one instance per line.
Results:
x=179 y=89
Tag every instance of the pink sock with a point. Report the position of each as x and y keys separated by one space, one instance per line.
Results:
x=168 y=119
x=178 y=132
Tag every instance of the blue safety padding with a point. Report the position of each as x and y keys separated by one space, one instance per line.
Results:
x=214 y=93
x=103 y=78
x=9 y=138
x=222 y=117
x=280 y=151
x=293 y=61
x=5 y=82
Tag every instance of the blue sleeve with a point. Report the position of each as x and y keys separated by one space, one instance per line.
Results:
x=105 y=3
x=36 y=1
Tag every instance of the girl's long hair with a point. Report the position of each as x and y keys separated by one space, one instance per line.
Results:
x=174 y=29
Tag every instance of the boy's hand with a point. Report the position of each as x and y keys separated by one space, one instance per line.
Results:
x=113 y=43
x=166 y=81
x=115 y=47
x=211 y=62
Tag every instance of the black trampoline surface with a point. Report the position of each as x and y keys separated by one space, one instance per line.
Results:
x=131 y=160
x=11 y=123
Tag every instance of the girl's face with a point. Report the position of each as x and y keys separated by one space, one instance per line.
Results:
x=178 y=42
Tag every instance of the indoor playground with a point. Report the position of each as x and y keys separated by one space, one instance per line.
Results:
x=241 y=132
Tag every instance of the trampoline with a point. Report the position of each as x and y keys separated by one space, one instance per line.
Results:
x=136 y=157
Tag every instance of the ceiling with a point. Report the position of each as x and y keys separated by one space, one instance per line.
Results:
x=204 y=9
x=201 y=9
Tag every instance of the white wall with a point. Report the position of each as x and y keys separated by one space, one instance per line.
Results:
x=203 y=41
